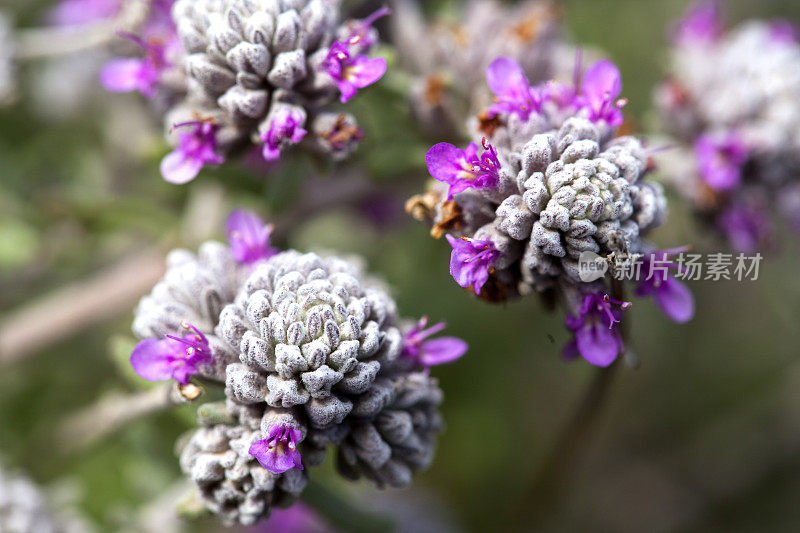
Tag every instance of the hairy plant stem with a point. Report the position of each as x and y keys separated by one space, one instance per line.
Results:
x=551 y=481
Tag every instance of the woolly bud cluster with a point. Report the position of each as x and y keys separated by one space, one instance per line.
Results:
x=312 y=354
x=731 y=104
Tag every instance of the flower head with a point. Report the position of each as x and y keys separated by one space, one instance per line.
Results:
x=671 y=296
x=285 y=128
x=352 y=73
x=249 y=237
x=602 y=85
x=434 y=352
x=597 y=337
x=196 y=148
x=125 y=74
x=701 y=25
x=173 y=357
x=513 y=92
x=278 y=452
x=471 y=260
x=720 y=161
x=463 y=169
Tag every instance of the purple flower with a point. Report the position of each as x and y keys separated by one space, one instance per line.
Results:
x=196 y=148
x=79 y=12
x=360 y=33
x=249 y=237
x=784 y=32
x=352 y=73
x=673 y=297
x=701 y=25
x=434 y=352
x=462 y=169
x=173 y=357
x=720 y=161
x=745 y=227
x=597 y=337
x=285 y=128
x=299 y=518
x=471 y=260
x=127 y=74
x=602 y=84
x=512 y=90
x=278 y=452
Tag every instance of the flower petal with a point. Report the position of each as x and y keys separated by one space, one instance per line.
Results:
x=178 y=169
x=675 y=300
x=122 y=75
x=601 y=82
x=442 y=350
x=151 y=360
x=444 y=162
x=597 y=344
x=365 y=71
x=506 y=78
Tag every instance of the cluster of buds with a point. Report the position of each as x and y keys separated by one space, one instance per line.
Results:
x=312 y=355
x=237 y=75
x=731 y=104
x=448 y=57
x=547 y=182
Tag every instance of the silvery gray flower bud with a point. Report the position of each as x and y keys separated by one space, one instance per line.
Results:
x=230 y=481
x=311 y=333
x=25 y=509
x=194 y=290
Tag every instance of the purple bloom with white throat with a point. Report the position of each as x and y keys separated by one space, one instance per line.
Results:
x=671 y=296
x=471 y=260
x=597 y=336
x=720 y=160
x=463 y=169
x=278 y=452
x=702 y=25
x=427 y=353
x=513 y=92
x=285 y=128
x=196 y=148
x=249 y=237
x=125 y=74
x=352 y=73
x=602 y=85
x=172 y=357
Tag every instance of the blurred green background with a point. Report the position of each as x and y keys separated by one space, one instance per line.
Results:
x=703 y=436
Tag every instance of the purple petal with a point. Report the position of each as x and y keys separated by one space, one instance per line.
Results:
x=269 y=459
x=675 y=300
x=444 y=162
x=506 y=78
x=597 y=344
x=602 y=82
x=178 y=169
x=347 y=89
x=701 y=25
x=442 y=350
x=151 y=359
x=122 y=75
x=365 y=71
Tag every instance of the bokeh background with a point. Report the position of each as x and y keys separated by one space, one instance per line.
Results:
x=704 y=435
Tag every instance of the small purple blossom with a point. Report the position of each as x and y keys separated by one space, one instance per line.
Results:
x=671 y=296
x=463 y=169
x=352 y=73
x=746 y=227
x=285 y=128
x=720 y=161
x=471 y=260
x=278 y=452
x=597 y=336
x=80 y=12
x=513 y=92
x=127 y=74
x=702 y=24
x=172 y=357
x=602 y=85
x=196 y=148
x=784 y=32
x=434 y=352
x=249 y=237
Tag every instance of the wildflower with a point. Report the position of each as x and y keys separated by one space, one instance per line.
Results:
x=513 y=93
x=285 y=128
x=720 y=161
x=127 y=74
x=745 y=227
x=701 y=25
x=196 y=148
x=463 y=169
x=249 y=237
x=352 y=73
x=471 y=260
x=173 y=357
x=597 y=336
x=671 y=296
x=434 y=352
x=278 y=452
x=602 y=84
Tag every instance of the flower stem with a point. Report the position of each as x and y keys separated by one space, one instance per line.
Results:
x=341 y=514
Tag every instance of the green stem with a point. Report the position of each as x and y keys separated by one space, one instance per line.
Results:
x=341 y=514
